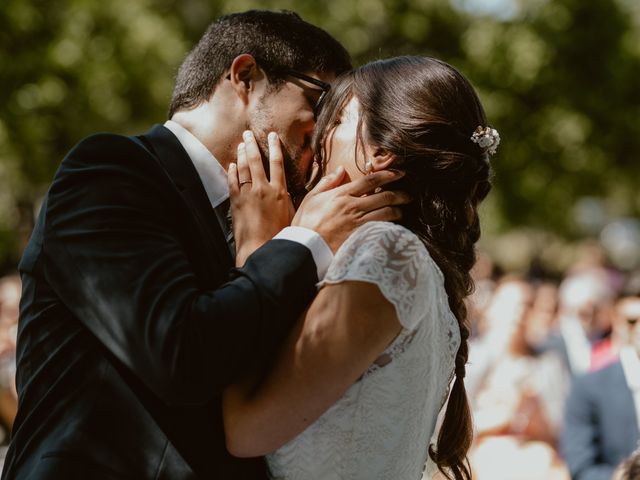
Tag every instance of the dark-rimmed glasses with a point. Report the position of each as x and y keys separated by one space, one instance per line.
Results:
x=324 y=86
x=318 y=83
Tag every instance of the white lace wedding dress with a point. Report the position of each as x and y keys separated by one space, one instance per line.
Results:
x=381 y=427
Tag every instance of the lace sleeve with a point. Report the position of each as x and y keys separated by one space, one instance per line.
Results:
x=393 y=258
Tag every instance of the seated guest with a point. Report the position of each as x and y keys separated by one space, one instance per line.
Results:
x=584 y=299
x=543 y=317
x=601 y=415
x=517 y=397
x=9 y=305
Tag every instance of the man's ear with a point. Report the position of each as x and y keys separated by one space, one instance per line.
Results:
x=382 y=159
x=244 y=74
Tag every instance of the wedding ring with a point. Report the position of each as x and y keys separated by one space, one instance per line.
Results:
x=246 y=181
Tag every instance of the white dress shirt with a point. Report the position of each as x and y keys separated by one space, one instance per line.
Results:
x=631 y=367
x=214 y=180
x=577 y=343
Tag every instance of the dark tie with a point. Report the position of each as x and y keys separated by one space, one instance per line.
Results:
x=223 y=212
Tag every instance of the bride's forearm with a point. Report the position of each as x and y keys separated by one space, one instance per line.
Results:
x=240 y=434
x=345 y=329
x=248 y=415
x=259 y=421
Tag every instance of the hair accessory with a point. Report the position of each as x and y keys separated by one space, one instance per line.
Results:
x=368 y=167
x=487 y=138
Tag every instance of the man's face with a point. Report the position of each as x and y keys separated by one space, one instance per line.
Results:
x=288 y=110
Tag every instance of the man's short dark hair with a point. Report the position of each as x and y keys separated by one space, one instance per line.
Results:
x=277 y=40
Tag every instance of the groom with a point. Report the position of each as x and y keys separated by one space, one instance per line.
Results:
x=132 y=319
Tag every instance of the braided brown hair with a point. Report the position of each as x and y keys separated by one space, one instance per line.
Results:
x=424 y=112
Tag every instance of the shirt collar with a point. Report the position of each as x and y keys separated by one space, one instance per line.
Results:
x=631 y=366
x=211 y=173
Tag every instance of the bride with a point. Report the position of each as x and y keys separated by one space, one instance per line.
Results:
x=357 y=387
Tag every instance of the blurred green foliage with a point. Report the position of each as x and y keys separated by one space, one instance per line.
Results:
x=559 y=79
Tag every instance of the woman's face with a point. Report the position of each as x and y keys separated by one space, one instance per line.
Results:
x=341 y=142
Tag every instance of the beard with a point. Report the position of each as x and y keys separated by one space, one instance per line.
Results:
x=294 y=170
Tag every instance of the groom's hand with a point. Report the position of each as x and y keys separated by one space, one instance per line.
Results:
x=334 y=211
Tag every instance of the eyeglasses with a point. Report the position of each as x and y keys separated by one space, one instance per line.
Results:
x=324 y=86
x=318 y=83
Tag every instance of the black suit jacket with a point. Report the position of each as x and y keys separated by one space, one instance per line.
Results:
x=132 y=319
x=601 y=428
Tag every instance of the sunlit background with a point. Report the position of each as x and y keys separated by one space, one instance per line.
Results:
x=560 y=80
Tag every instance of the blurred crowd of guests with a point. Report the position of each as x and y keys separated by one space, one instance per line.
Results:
x=9 y=305
x=553 y=374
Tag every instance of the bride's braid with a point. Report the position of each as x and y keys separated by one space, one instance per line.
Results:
x=425 y=112
x=447 y=185
x=451 y=244
x=426 y=116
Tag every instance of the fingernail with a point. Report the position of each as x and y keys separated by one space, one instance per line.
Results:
x=241 y=145
x=273 y=136
x=232 y=166
x=247 y=135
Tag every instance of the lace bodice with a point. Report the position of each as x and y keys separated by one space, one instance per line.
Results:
x=381 y=427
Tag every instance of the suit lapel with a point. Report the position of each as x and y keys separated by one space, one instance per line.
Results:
x=178 y=165
x=623 y=403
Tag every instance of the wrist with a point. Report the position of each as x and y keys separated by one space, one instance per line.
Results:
x=321 y=252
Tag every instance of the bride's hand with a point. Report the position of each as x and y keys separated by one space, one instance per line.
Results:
x=260 y=207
